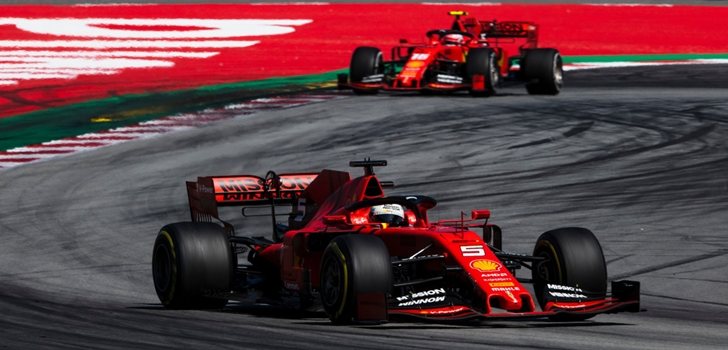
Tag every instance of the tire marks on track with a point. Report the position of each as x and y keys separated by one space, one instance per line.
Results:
x=688 y=260
x=658 y=213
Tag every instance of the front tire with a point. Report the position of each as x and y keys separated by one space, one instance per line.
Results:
x=573 y=257
x=483 y=62
x=365 y=62
x=355 y=266
x=543 y=71
x=192 y=261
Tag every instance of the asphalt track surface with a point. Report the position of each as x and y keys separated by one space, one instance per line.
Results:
x=637 y=155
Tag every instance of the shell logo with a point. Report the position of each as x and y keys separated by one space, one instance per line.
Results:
x=415 y=64
x=484 y=265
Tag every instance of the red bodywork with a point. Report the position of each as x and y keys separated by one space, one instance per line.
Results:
x=418 y=66
x=325 y=205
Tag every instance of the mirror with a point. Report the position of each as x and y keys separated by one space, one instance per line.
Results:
x=479 y=214
x=335 y=220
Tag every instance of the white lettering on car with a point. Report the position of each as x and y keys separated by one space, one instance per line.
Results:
x=426 y=293
x=472 y=250
x=423 y=301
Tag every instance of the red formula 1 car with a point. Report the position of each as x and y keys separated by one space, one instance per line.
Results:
x=473 y=55
x=367 y=256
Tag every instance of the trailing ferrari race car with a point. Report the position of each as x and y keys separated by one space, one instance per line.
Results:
x=473 y=55
x=364 y=256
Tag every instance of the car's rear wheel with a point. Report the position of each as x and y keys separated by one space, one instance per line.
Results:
x=572 y=257
x=366 y=62
x=355 y=267
x=192 y=266
x=482 y=62
x=543 y=71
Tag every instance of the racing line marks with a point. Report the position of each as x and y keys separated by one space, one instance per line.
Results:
x=32 y=153
x=679 y=262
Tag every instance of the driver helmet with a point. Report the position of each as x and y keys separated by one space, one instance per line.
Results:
x=389 y=214
x=453 y=39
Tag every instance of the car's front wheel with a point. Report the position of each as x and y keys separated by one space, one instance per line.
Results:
x=355 y=270
x=482 y=64
x=366 y=63
x=572 y=257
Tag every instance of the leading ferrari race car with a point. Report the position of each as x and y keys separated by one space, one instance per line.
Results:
x=368 y=256
x=478 y=56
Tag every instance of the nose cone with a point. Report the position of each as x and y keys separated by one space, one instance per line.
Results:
x=507 y=300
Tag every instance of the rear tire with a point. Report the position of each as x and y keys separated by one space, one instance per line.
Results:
x=573 y=258
x=543 y=71
x=190 y=262
x=482 y=61
x=352 y=265
x=365 y=61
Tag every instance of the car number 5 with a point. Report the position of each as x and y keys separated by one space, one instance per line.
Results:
x=472 y=250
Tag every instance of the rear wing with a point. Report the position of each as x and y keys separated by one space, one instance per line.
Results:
x=484 y=30
x=510 y=29
x=209 y=193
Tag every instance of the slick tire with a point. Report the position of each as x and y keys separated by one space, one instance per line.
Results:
x=483 y=61
x=192 y=261
x=365 y=61
x=573 y=257
x=543 y=71
x=352 y=265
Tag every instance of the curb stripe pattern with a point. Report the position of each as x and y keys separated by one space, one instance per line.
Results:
x=51 y=149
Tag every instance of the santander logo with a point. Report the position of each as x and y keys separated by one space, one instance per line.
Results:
x=64 y=48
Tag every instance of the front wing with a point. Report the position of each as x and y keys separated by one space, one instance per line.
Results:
x=625 y=298
x=444 y=85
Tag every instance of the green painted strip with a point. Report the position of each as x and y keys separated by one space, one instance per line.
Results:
x=638 y=58
x=103 y=114
x=76 y=119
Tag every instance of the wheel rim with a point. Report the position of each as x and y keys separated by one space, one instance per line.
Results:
x=545 y=273
x=162 y=268
x=331 y=286
x=544 y=268
x=558 y=71
x=378 y=62
x=494 y=76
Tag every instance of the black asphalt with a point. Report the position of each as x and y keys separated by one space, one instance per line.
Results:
x=638 y=155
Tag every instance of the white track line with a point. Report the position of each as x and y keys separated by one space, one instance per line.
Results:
x=9 y=54
x=627 y=64
x=122 y=44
